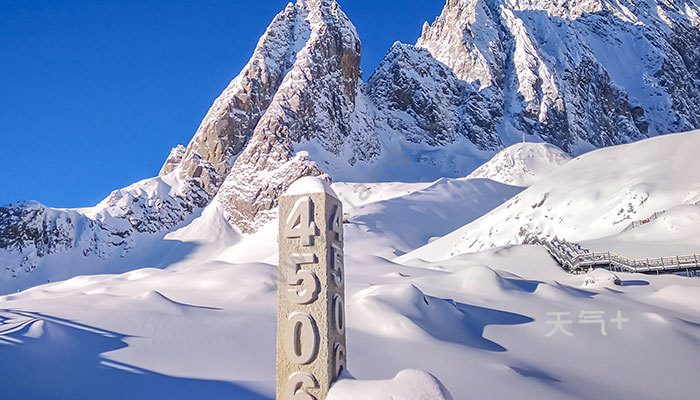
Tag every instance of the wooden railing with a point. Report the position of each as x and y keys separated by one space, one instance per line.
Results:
x=576 y=259
x=651 y=218
x=641 y=222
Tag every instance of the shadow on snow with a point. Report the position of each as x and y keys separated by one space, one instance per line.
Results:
x=63 y=360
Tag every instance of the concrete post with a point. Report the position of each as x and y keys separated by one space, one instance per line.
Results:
x=311 y=291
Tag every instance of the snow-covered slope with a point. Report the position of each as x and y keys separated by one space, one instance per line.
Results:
x=522 y=164
x=675 y=232
x=481 y=323
x=406 y=385
x=177 y=296
x=593 y=196
x=394 y=226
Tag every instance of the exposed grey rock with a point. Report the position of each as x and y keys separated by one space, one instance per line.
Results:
x=230 y=122
x=314 y=103
x=423 y=100
x=35 y=231
x=173 y=160
x=578 y=74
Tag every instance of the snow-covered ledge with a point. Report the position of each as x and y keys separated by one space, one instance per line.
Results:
x=409 y=384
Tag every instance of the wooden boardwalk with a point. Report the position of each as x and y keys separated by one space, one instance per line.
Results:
x=576 y=259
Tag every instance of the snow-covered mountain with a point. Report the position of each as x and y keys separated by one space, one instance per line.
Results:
x=596 y=196
x=198 y=320
x=577 y=74
x=32 y=235
x=522 y=164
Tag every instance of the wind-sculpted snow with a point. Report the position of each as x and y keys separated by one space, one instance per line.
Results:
x=194 y=313
x=442 y=206
x=480 y=325
x=406 y=385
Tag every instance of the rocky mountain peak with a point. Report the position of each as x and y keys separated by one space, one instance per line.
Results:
x=424 y=101
x=313 y=102
x=466 y=38
x=230 y=122
x=578 y=74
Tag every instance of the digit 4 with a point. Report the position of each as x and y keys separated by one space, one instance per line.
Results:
x=300 y=223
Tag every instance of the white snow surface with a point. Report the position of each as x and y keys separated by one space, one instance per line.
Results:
x=406 y=385
x=522 y=164
x=195 y=316
x=596 y=196
x=308 y=185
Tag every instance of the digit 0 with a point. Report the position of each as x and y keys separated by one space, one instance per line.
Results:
x=301 y=339
x=338 y=314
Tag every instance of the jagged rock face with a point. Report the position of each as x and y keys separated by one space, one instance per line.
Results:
x=422 y=99
x=230 y=122
x=35 y=231
x=578 y=74
x=148 y=206
x=680 y=70
x=173 y=160
x=299 y=86
x=314 y=103
x=30 y=231
x=25 y=225
x=469 y=42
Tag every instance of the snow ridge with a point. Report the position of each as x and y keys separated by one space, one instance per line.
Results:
x=522 y=164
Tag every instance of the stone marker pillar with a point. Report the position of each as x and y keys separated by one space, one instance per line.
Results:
x=311 y=291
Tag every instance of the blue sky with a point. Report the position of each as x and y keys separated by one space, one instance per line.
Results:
x=94 y=94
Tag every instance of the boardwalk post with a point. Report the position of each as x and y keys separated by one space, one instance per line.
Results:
x=311 y=311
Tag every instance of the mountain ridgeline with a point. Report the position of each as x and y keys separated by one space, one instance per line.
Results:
x=578 y=74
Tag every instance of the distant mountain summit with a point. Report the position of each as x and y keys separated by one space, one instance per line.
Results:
x=578 y=74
